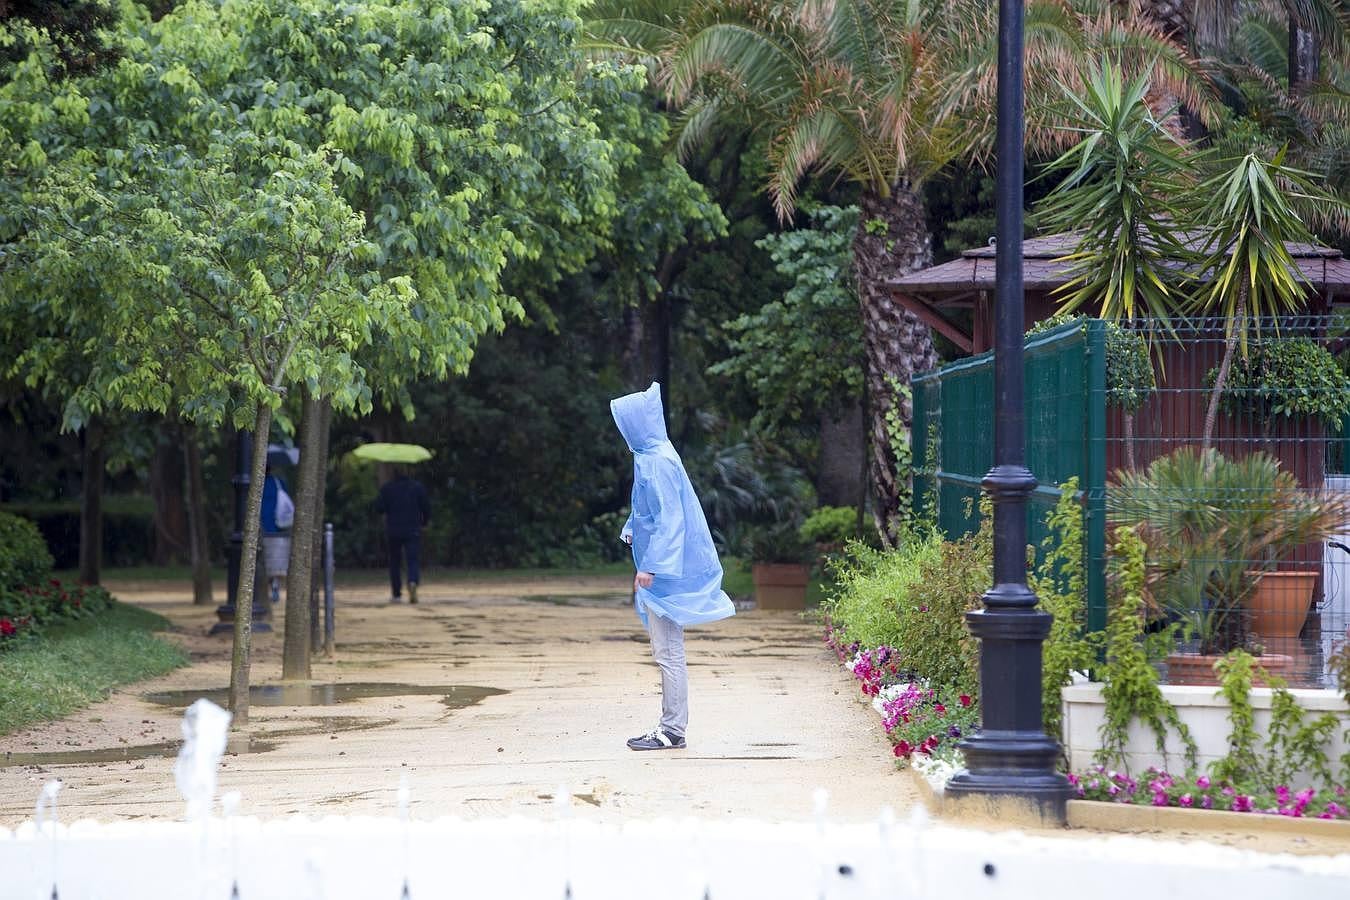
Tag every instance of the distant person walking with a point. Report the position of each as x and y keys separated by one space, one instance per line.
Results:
x=278 y=515
x=679 y=578
x=407 y=510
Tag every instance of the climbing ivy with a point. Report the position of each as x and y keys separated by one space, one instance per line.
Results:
x=1060 y=582
x=1131 y=684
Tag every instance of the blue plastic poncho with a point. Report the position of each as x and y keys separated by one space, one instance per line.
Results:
x=670 y=535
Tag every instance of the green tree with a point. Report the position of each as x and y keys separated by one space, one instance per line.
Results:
x=228 y=292
x=800 y=355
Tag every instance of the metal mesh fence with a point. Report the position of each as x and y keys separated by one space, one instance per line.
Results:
x=1228 y=466
x=1237 y=474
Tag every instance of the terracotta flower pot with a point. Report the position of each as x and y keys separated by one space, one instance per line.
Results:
x=780 y=585
x=1194 y=668
x=1280 y=602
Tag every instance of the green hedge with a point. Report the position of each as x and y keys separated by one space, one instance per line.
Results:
x=24 y=558
x=128 y=529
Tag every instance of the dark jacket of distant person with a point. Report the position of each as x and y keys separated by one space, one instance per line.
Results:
x=405 y=505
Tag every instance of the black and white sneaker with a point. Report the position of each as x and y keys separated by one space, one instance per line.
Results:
x=656 y=739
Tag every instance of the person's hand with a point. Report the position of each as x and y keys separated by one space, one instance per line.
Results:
x=643 y=580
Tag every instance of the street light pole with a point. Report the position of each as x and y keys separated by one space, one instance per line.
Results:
x=1010 y=763
x=234 y=550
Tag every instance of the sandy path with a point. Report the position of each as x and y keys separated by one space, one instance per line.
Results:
x=502 y=692
x=772 y=716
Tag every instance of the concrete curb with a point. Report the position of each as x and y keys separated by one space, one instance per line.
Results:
x=1133 y=819
x=1130 y=817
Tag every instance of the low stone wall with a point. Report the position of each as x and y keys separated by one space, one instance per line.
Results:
x=1205 y=714
x=364 y=859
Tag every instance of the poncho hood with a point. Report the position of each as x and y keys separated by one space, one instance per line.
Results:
x=640 y=418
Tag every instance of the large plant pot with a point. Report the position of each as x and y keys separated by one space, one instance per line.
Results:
x=1279 y=604
x=780 y=585
x=1194 y=668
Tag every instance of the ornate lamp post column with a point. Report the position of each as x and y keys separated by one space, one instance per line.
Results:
x=234 y=550
x=1010 y=764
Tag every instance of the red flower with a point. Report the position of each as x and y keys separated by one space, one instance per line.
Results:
x=965 y=700
x=903 y=749
x=7 y=627
x=939 y=709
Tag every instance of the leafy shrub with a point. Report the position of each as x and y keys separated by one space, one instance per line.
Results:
x=24 y=558
x=831 y=526
x=1286 y=377
x=934 y=638
x=915 y=599
x=872 y=586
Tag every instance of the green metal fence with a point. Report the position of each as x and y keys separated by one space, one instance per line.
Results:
x=953 y=444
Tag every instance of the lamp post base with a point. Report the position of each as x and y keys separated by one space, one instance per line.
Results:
x=225 y=613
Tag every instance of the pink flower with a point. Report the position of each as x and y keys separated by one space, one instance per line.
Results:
x=1202 y=782
x=1185 y=801
x=939 y=709
x=964 y=700
x=1242 y=803
x=903 y=749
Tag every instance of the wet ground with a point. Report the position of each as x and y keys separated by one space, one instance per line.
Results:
x=491 y=697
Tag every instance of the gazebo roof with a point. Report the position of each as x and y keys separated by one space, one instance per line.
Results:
x=1324 y=268
x=966 y=283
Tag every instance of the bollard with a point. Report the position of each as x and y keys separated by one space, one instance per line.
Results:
x=328 y=627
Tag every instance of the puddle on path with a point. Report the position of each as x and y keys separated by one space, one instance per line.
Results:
x=258 y=742
x=118 y=754
x=455 y=696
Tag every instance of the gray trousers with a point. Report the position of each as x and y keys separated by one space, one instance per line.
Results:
x=668 y=649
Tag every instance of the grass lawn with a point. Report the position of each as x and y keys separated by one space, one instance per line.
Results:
x=80 y=663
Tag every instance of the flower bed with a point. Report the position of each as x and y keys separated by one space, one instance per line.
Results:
x=1158 y=788
x=26 y=611
x=924 y=724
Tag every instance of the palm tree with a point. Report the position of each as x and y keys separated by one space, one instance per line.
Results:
x=881 y=93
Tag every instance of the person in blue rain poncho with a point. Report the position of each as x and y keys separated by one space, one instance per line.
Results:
x=679 y=578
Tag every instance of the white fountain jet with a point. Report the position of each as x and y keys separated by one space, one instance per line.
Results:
x=205 y=731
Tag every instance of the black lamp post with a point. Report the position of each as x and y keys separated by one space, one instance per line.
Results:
x=1011 y=759
x=234 y=550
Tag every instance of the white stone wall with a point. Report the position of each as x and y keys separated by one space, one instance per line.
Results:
x=372 y=859
x=1203 y=711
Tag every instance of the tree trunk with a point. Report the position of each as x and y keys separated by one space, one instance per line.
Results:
x=1221 y=379
x=325 y=427
x=841 y=444
x=248 y=570
x=166 y=489
x=1305 y=56
x=199 y=542
x=892 y=239
x=1128 y=418
x=91 y=504
x=295 y=657
x=661 y=351
x=631 y=355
